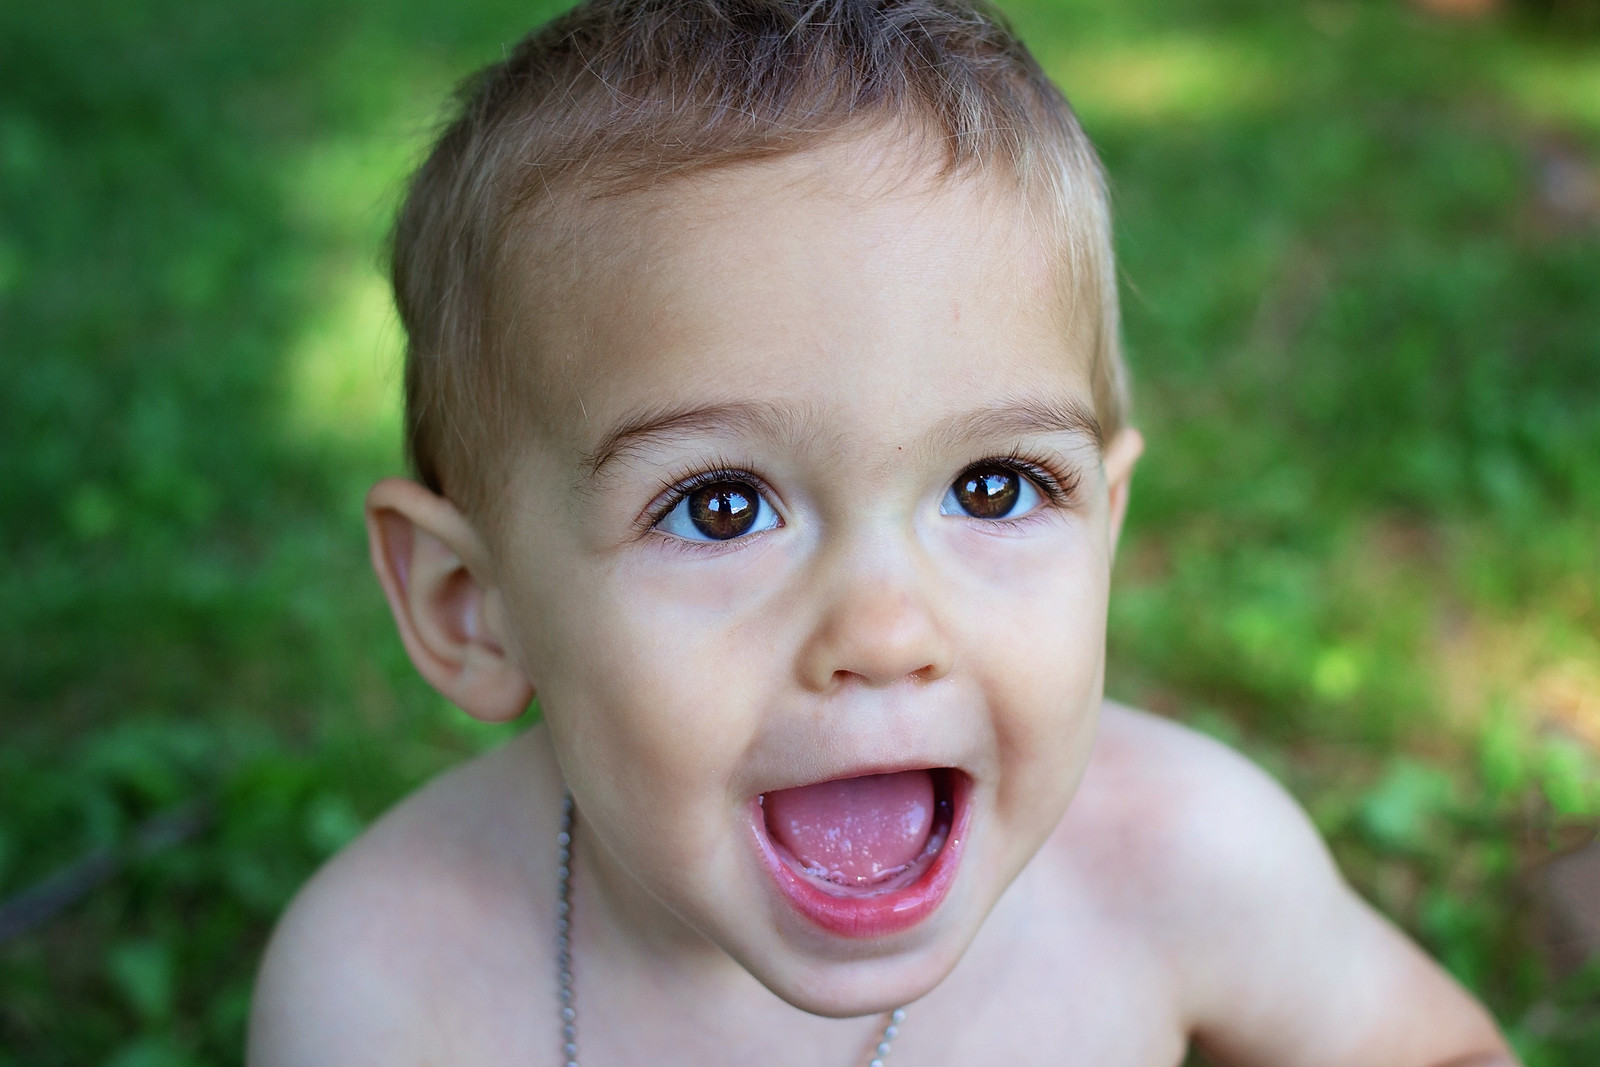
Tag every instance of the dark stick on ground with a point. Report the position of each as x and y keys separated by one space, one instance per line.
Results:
x=47 y=898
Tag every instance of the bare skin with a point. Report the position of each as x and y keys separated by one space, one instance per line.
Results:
x=848 y=338
x=1205 y=908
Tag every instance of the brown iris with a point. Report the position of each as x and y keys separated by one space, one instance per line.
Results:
x=988 y=492
x=724 y=510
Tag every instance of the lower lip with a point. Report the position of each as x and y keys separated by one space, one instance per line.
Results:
x=879 y=914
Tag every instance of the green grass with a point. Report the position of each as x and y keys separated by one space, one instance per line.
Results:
x=1363 y=545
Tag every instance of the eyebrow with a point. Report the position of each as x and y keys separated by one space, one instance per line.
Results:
x=1026 y=417
x=781 y=421
x=1017 y=418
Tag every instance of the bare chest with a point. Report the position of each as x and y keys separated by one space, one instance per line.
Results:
x=1071 y=991
x=1075 y=990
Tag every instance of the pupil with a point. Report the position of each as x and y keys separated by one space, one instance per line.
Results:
x=723 y=510
x=988 y=492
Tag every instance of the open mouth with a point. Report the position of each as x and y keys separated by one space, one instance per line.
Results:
x=869 y=855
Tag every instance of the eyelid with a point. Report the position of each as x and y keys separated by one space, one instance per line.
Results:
x=674 y=490
x=1058 y=488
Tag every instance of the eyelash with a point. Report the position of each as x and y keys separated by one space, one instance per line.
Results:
x=673 y=490
x=1058 y=490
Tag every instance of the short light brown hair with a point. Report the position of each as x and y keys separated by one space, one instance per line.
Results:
x=617 y=94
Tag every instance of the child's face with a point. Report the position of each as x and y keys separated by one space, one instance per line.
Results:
x=893 y=553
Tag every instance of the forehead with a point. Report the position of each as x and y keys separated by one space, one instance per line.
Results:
x=854 y=281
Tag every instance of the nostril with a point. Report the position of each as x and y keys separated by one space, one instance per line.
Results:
x=874 y=637
x=928 y=672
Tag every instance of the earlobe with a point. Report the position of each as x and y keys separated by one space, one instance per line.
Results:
x=1121 y=455
x=434 y=570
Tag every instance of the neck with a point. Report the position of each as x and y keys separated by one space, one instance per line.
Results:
x=676 y=988
x=622 y=922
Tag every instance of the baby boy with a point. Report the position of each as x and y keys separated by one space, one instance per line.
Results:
x=765 y=399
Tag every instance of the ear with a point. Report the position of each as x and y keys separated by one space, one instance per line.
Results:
x=1121 y=455
x=434 y=569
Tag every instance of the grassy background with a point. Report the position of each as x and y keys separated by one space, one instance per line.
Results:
x=1361 y=250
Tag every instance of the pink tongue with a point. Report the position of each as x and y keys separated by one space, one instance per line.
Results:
x=855 y=828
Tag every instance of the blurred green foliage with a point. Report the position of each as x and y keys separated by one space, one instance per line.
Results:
x=1363 y=310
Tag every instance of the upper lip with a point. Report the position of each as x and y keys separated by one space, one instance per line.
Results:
x=861 y=770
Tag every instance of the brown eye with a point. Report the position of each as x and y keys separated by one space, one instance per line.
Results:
x=988 y=491
x=724 y=510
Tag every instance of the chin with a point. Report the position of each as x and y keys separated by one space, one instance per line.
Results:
x=843 y=990
x=846 y=977
x=848 y=943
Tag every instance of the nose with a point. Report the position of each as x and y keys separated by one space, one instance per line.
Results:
x=874 y=631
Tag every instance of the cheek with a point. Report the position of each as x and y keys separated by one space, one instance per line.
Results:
x=653 y=679
x=1034 y=624
x=1037 y=605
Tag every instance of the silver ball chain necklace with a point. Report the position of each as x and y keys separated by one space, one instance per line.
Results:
x=569 y=1011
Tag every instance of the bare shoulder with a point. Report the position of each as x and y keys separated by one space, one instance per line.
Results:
x=1181 y=805
x=1210 y=862
x=1182 y=836
x=369 y=960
